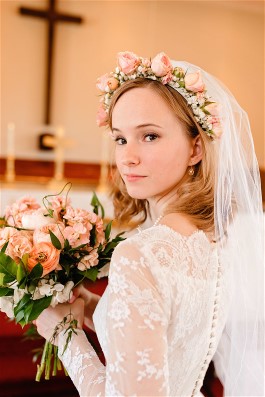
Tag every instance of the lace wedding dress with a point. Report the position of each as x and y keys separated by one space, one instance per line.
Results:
x=159 y=320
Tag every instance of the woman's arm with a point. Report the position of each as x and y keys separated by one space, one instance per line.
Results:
x=136 y=329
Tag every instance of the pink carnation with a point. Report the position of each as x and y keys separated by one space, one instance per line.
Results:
x=128 y=62
x=76 y=234
x=100 y=235
x=20 y=243
x=5 y=234
x=14 y=212
x=58 y=204
x=42 y=234
x=88 y=261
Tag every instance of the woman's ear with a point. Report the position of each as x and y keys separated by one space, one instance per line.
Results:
x=197 y=152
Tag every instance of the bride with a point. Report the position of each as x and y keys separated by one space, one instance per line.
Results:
x=189 y=288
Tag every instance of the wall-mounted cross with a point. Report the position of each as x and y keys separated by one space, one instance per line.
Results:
x=51 y=16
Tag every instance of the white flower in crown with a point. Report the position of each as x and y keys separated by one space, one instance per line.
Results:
x=190 y=85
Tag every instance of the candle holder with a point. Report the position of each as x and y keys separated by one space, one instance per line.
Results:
x=10 y=174
x=103 y=179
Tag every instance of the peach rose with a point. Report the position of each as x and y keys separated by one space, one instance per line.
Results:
x=193 y=82
x=128 y=62
x=45 y=254
x=42 y=234
x=161 y=65
x=113 y=83
x=102 y=82
x=102 y=116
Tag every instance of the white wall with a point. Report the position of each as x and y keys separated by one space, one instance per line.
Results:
x=224 y=37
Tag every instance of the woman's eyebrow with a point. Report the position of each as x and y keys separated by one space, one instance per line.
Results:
x=140 y=126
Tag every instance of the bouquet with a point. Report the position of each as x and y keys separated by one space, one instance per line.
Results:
x=46 y=251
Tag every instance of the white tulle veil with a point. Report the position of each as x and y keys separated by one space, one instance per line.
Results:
x=239 y=229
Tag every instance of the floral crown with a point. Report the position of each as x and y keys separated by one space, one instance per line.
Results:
x=160 y=68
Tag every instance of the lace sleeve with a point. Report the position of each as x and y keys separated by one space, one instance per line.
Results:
x=137 y=321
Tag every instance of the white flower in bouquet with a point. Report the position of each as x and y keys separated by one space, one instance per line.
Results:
x=35 y=219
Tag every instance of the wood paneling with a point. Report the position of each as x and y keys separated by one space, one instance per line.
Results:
x=83 y=172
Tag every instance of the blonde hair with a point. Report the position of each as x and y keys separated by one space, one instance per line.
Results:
x=195 y=193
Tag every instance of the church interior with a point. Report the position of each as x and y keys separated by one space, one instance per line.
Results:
x=52 y=52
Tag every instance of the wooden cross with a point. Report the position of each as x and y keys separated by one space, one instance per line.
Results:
x=52 y=17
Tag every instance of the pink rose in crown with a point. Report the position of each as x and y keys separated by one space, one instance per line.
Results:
x=217 y=129
x=146 y=63
x=102 y=82
x=213 y=108
x=194 y=82
x=102 y=116
x=161 y=65
x=45 y=254
x=128 y=62
x=166 y=79
x=113 y=83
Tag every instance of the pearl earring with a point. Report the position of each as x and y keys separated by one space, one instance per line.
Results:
x=191 y=171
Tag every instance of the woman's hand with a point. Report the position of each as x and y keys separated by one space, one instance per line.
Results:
x=49 y=319
x=90 y=301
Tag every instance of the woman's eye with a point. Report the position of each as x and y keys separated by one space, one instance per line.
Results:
x=120 y=141
x=150 y=137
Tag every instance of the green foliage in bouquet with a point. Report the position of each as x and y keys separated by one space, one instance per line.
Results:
x=27 y=287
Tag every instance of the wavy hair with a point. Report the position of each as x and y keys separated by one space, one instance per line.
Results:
x=195 y=194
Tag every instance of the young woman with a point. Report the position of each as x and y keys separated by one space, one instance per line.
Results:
x=189 y=288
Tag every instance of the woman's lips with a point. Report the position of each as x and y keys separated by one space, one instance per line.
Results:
x=133 y=178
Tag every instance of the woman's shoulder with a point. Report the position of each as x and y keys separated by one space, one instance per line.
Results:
x=173 y=234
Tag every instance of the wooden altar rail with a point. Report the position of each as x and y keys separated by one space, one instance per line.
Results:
x=43 y=171
x=83 y=172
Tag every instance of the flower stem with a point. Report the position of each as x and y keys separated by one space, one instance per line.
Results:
x=42 y=363
x=55 y=360
x=48 y=361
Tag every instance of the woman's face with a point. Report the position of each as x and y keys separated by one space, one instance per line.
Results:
x=152 y=149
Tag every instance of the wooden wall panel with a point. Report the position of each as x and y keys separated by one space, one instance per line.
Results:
x=83 y=172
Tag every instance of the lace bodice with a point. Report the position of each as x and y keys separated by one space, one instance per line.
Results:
x=158 y=321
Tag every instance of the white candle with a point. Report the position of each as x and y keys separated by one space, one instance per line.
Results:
x=10 y=140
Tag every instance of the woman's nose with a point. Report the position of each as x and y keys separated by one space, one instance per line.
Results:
x=130 y=156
